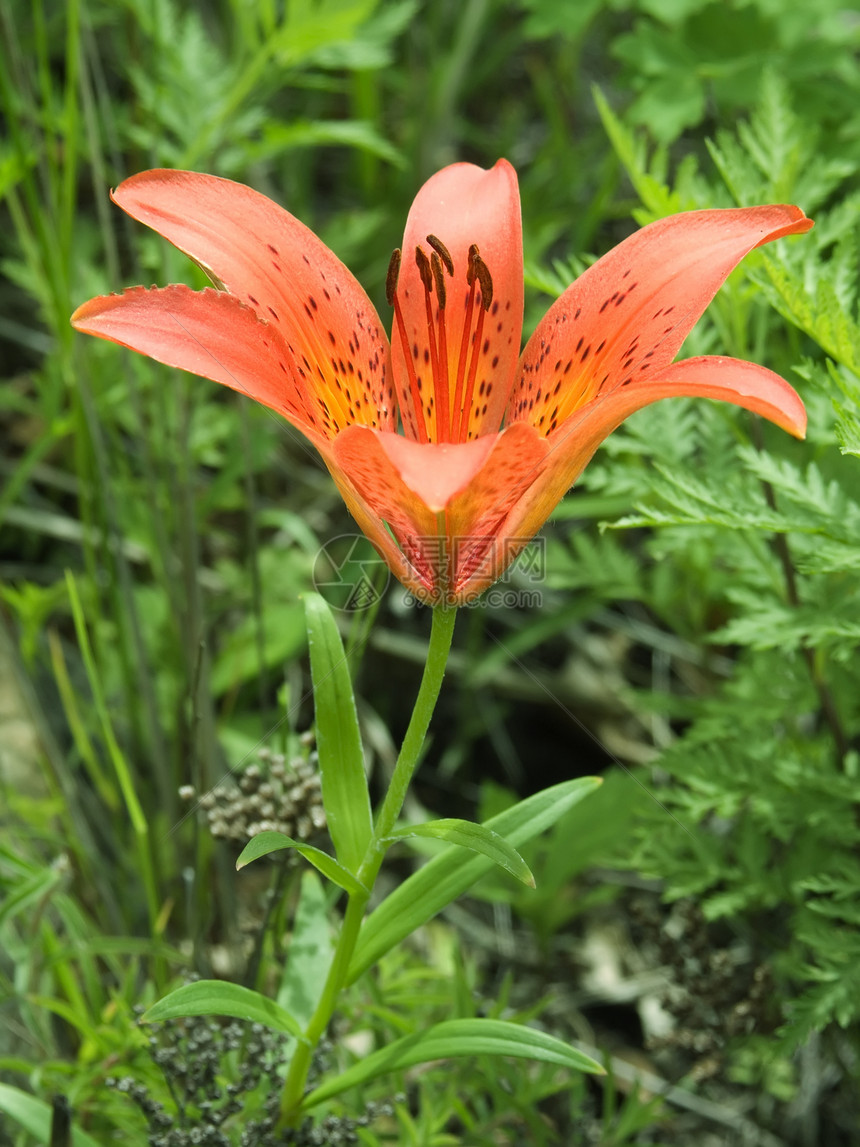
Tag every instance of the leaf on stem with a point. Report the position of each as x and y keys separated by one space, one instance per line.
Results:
x=448 y=875
x=265 y=842
x=344 y=785
x=310 y=954
x=476 y=837
x=219 y=998
x=450 y=1039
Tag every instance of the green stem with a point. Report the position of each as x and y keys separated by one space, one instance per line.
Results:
x=428 y=692
x=441 y=634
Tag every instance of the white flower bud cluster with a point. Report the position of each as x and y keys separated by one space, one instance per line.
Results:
x=272 y=794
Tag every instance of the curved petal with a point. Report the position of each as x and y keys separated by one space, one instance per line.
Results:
x=573 y=445
x=624 y=319
x=381 y=494
x=374 y=528
x=463 y=205
x=209 y=333
x=732 y=380
x=436 y=472
x=271 y=261
x=478 y=518
x=445 y=504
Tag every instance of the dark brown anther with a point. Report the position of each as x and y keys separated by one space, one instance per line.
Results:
x=474 y=256
x=443 y=253
x=482 y=271
x=438 y=278
x=392 y=276
x=424 y=269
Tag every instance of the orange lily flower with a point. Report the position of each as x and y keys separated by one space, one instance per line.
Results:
x=449 y=447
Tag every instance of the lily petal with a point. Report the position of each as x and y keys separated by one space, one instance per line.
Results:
x=209 y=333
x=625 y=318
x=436 y=472
x=479 y=517
x=573 y=445
x=268 y=259
x=384 y=496
x=464 y=205
x=376 y=529
x=445 y=504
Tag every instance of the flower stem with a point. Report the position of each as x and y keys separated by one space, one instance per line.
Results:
x=441 y=634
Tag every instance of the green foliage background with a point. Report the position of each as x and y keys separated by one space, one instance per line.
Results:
x=157 y=533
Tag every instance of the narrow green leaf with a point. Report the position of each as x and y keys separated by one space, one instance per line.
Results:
x=265 y=842
x=35 y=1115
x=454 y=1038
x=219 y=998
x=448 y=875
x=344 y=785
x=476 y=837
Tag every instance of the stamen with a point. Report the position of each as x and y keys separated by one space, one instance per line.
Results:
x=485 y=279
x=473 y=371
x=443 y=412
x=426 y=273
x=391 y=296
x=424 y=269
x=438 y=278
x=457 y=413
x=480 y=272
x=443 y=253
x=451 y=419
x=392 y=276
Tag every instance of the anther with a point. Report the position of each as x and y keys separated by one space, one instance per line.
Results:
x=482 y=272
x=474 y=256
x=392 y=276
x=424 y=269
x=443 y=253
x=438 y=278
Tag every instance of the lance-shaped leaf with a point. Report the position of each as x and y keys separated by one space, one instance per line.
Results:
x=220 y=998
x=448 y=875
x=451 y=1039
x=476 y=837
x=265 y=842
x=344 y=785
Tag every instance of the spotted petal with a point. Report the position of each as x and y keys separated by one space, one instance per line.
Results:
x=623 y=321
x=269 y=260
x=464 y=205
x=209 y=333
x=445 y=504
x=572 y=446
